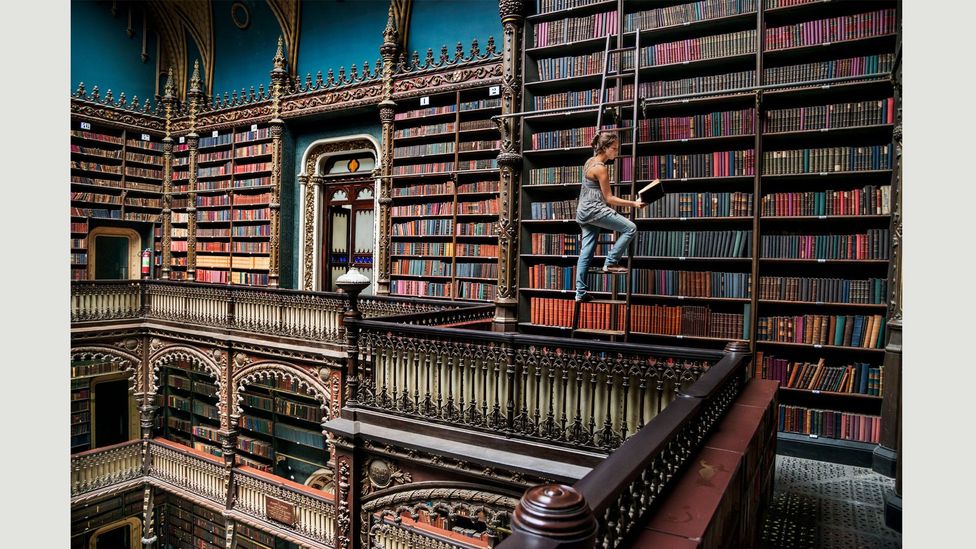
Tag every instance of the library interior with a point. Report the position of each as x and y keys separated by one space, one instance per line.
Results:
x=325 y=290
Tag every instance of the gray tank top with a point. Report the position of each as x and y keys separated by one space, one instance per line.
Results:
x=591 y=205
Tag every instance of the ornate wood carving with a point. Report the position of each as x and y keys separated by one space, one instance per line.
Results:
x=344 y=514
x=127 y=361
x=210 y=360
x=277 y=129
x=379 y=474
x=306 y=377
x=116 y=116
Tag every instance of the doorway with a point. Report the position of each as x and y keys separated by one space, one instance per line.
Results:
x=114 y=254
x=349 y=232
x=111 y=407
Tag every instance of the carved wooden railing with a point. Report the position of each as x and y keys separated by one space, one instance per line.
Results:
x=191 y=470
x=623 y=489
x=315 y=316
x=562 y=391
x=104 y=467
x=314 y=511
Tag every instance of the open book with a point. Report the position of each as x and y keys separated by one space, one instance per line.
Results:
x=651 y=192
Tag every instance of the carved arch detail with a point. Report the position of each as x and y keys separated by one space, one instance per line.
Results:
x=211 y=363
x=272 y=369
x=127 y=361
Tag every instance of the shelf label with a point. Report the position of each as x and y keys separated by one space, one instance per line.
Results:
x=564 y=256
x=684 y=179
x=813 y=436
x=682 y=219
x=680 y=336
x=86 y=125
x=684 y=62
x=819 y=303
x=686 y=100
x=825 y=87
x=681 y=297
x=494 y=90
x=825 y=44
x=816 y=391
x=254 y=127
x=821 y=261
x=682 y=258
x=214 y=134
x=424 y=101
x=817 y=346
x=821 y=217
x=823 y=173
x=182 y=139
x=684 y=140
x=145 y=137
x=824 y=129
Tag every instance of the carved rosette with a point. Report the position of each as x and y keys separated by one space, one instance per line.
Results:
x=277 y=129
x=379 y=474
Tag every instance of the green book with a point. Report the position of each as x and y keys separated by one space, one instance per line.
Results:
x=839 y=330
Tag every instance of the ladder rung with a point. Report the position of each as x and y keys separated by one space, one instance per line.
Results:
x=618 y=50
x=599 y=270
x=606 y=301
x=628 y=74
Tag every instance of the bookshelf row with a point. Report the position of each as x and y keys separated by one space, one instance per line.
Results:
x=774 y=227
x=445 y=197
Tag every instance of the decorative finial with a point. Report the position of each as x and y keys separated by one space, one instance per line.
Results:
x=168 y=89
x=122 y=99
x=195 y=77
x=475 y=52
x=490 y=47
x=331 y=81
x=146 y=107
x=443 y=58
x=108 y=96
x=352 y=73
x=459 y=52
x=80 y=92
x=318 y=79
x=279 y=58
x=390 y=34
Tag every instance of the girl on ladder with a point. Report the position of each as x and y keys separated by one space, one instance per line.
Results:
x=594 y=211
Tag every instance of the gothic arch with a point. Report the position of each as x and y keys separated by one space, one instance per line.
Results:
x=312 y=199
x=270 y=369
x=128 y=362
x=212 y=364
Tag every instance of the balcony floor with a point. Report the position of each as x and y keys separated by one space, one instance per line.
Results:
x=817 y=505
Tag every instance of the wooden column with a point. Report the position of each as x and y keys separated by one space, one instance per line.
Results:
x=193 y=141
x=147 y=415
x=308 y=214
x=886 y=453
x=387 y=109
x=167 y=214
x=348 y=475
x=148 y=522
x=512 y=14
x=279 y=75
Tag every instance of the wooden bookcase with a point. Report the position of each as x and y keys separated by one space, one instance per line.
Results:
x=281 y=430
x=189 y=400
x=80 y=415
x=445 y=197
x=116 y=179
x=191 y=526
x=233 y=199
x=708 y=257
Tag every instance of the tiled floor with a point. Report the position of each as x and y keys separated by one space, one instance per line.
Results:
x=820 y=505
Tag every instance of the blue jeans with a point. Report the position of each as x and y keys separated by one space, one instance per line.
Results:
x=614 y=222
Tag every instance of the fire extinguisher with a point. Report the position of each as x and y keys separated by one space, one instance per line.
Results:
x=146 y=255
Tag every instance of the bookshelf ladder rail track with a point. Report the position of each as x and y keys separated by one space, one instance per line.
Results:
x=614 y=110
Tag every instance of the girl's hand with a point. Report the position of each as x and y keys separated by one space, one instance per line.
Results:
x=638 y=204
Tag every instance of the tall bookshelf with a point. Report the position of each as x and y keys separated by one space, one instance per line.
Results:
x=233 y=205
x=776 y=213
x=80 y=415
x=116 y=179
x=189 y=401
x=445 y=197
x=188 y=525
x=281 y=430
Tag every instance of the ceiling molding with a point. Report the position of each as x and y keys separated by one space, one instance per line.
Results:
x=173 y=20
x=401 y=13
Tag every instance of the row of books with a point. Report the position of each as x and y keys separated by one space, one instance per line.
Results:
x=581 y=98
x=209 y=172
x=423 y=113
x=546 y=6
x=426 y=189
x=683 y=320
x=428 y=167
x=834 y=115
x=484 y=207
x=476 y=270
x=253 y=279
x=868 y=65
x=826 y=290
x=423 y=150
x=96 y=198
x=430 y=129
x=691 y=283
x=143 y=172
x=294 y=409
x=873 y=244
x=864 y=331
x=556 y=139
x=696 y=49
x=694 y=205
x=215 y=156
x=827 y=159
x=561 y=209
x=566 y=244
x=870 y=200
x=476 y=290
x=478 y=124
x=732 y=243
x=563 y=31
x=829 y=424
x=833 y=29
x=104 y=153
x=421 y=288
x=477 y=229
x=96 y=167
x=96 y=136
x=96 y=212
x=144 y=202
x=260 y=149
x=678 y=166
x=716 y=124
x=255 y=447
x=208 y=433
x=683 y=14
x=482 y=145
x=114 y=183
x=422 y=248
x=478 y=104
x=423 y=227
x=429 y=208
x=252 y=168
x=152 y=159
x=421 y=267
x=858 y=378
x=235 y=262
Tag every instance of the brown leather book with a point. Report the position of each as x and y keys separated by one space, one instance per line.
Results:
x=848 y=329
